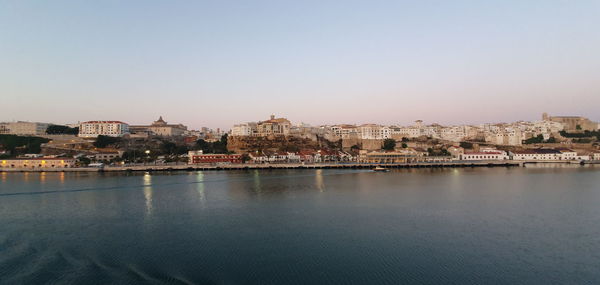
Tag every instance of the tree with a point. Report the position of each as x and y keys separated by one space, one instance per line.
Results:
x=404 y=145
x=21 y=144
x=578 y=127
x=466 y=145
x=104 y=141
x=537 y=139
x=389 y=144
x=61 y=130
x=214 y=147
x=245 y=158
x=551 y=140
x=405 y=139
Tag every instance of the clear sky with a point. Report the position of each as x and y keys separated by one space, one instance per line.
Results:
x=216 y=63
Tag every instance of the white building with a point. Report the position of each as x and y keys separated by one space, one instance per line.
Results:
x=244 y=130
x=92 y=129
x=537 y=155
x=485 y=155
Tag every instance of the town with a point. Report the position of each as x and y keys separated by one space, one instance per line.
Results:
x=106 y=144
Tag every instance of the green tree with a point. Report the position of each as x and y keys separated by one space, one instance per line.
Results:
x=389 y=144
x=466 y=145
x=17 y=145
x=245 y=158
x=104 y=141
x=404 y=145
x=61 y=130
x=405 y=139
x=551 y=140
x=537 y=139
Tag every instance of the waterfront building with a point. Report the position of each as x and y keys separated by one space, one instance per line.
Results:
x=537 y=154
x=37 y=163
x=387 y=157
x=195 y=157
x=485 y=155
x=92 y=129
x=159 y=128
x=24 y=128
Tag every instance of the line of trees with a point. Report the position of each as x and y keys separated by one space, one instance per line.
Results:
x=61 y=130
x=17 y=145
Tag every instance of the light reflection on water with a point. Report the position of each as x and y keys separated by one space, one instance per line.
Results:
x=147 y=182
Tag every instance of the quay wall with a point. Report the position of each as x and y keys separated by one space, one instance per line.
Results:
x=192 y=167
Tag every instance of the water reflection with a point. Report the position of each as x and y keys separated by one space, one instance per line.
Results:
x=148 y=193
x=200 y=187
x=256 y=178
x=319 y=180
x=3 y=177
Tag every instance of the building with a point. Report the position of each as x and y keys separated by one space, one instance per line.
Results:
x=92 y=129
x=572 y=123
x=484 y=155
x=537 y=154
x=106 y=155
x=274 y=126
x=37 y=163
x=244 y=130
x=387 y=157
x=24 y=128
x=195 y=157
x=159 y=128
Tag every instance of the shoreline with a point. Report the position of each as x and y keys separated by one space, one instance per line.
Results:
x=198 y=167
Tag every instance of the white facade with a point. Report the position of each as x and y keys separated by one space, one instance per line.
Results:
x=94 y=129
x=484 y=155
x=243 y=130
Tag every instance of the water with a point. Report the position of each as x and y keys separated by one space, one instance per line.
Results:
x=465 y=226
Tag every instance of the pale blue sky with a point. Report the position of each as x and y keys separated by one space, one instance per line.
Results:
x=215 y=63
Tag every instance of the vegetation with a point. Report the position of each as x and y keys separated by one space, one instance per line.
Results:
x=438 y=152
x=213 y=147
x=170 y=148
x=551 y=140
x=405 y=139
x=17 y=145
x=466 y=145
x=585 y=134
x=104 y=141
x=61 y=130
x=404 y=145
x=245 y=158
x=389 y=144
x=537 y=139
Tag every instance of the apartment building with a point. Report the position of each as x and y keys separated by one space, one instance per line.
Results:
x=92 y=129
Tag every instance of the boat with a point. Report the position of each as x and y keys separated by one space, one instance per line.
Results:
x=380 y=169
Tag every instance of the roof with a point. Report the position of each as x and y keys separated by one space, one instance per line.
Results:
x=104 y=122
x=484 y=153
x=537 y=151
x=40 y=158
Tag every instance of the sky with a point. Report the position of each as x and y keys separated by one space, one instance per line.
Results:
x=217 y=63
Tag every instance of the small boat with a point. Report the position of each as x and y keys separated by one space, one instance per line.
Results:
x=380 y=169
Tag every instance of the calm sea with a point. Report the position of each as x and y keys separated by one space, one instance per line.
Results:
x=533 y=225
